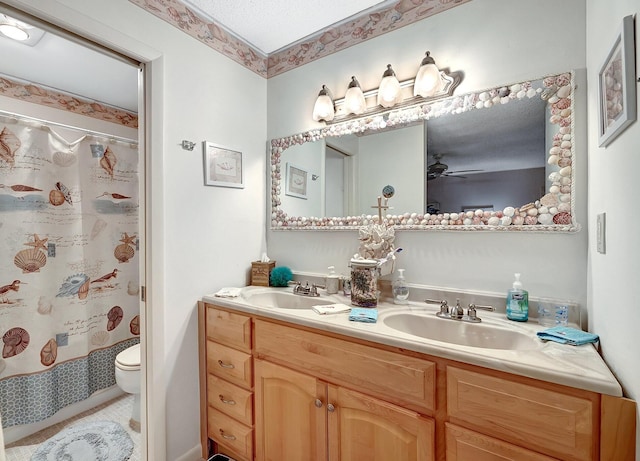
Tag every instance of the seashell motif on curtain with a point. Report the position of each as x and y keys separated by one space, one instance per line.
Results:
x=49 y=353
x=108 y=161
x=15 y=341
x=9 y=144
x=114 y=317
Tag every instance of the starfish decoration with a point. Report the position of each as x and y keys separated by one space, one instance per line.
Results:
x=38 y=242
x=128 y=240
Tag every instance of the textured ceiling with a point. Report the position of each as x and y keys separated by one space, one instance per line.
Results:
x=271 y=25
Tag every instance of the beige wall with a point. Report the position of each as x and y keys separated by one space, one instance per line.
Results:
x=614 y=305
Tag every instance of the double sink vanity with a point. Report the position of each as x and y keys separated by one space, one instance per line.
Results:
x=280 y=381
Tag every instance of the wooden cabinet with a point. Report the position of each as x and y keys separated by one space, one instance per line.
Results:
x=274 y=390
x=299 y=416
x=227 y=382
x=552 y=422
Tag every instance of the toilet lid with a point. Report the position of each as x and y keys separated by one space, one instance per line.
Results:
x=129 y=358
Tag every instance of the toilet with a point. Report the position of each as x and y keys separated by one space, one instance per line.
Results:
x=128 y=379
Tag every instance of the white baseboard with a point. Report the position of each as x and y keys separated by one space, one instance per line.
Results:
x=192 y=455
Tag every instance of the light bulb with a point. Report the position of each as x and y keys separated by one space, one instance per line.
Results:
x=323 y=108
x=354 y=98
x=428 y=81
x=14 y=32
x=389 y=90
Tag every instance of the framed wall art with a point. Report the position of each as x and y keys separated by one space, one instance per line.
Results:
x=296 y=181
x=616 y=85
x=222 y=166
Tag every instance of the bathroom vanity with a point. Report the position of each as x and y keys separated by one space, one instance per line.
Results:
x=287 y=383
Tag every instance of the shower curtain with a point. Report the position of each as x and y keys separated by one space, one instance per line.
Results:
x=69 y=275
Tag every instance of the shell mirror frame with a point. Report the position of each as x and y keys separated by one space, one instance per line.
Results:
x=554 y=211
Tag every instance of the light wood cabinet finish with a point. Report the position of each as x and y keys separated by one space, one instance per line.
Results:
x=363 y=428
x=386 y=403
x=289 y=425
x=466 y=445
x=298 y=416
x=554 y=423
x=226 y=382
x=403 y=379
x=230 y=364
x=230 y=399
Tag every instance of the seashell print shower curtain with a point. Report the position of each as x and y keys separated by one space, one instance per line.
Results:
x=69 y=272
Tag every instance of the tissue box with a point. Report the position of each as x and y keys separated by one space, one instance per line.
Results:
x=261 y=272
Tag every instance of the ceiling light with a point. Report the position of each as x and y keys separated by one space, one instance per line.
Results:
x=22 y=32
x=14 y=32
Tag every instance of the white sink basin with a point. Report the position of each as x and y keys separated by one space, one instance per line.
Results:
x=482 y=335
x=284 y=300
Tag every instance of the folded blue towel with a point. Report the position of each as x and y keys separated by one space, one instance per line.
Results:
x=567 y=335
x=363 y=314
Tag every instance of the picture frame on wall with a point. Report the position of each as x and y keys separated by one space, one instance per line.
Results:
x=616 y=85
x=223 y=167
x=296 y=181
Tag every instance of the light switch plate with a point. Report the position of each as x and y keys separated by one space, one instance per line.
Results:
x=600 y=232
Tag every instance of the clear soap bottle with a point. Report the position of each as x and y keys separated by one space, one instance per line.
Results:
x=400 y=289
x=518 y=302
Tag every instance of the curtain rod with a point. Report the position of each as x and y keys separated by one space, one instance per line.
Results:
x=70 y=127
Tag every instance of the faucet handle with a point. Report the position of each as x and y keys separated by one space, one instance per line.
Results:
x=484 y=308
x=444 y=307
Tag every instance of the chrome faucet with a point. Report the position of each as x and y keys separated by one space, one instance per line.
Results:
x=457 y=312
x=306 y=290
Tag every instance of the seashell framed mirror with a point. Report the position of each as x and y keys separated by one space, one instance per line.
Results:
x=500 y=159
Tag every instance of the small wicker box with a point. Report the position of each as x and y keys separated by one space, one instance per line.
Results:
x=261 y=272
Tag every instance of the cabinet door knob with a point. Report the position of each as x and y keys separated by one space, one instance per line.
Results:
x=228 y=402
x=331 y=408
x=225 y=365
x=318 y=403
x=225 y=436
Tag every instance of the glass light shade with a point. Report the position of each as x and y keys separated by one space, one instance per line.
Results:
x=354 y=98
x=389 y=90
x=428 y=81
x=14 y=32
x=323 y=108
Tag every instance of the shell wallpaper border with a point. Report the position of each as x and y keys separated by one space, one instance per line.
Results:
x=30 y=92
x=319 y=45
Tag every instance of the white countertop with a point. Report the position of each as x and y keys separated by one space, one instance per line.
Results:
x=575 y=366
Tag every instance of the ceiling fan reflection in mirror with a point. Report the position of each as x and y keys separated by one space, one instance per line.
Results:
x=438 y=169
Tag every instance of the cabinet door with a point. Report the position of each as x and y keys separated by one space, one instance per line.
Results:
x=363 y=428
x=291 y=414
x=464 y=445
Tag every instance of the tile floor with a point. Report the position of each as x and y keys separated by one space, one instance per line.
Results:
x=118 y=410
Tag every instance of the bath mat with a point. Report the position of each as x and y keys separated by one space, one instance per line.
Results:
x=95 y=441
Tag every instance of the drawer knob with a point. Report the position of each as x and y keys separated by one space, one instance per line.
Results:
x=331 y=408
x=225 y=436
x=225 y=365
x=318 y=403
x=228 y=402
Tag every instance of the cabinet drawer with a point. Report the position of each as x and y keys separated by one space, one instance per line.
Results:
x=229 y=328
x=228 y=432
x=464 y=445
x=230 y=364
x=551 y=422
x=388 y=375
x=229 y=399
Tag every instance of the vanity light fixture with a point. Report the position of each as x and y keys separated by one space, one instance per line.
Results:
x=389 y=89
x=354 y=98
x=428 y=81
x=324 y=108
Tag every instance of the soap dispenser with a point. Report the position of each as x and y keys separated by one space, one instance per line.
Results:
x=517 y=302
x=332 y=281
x=400 y=289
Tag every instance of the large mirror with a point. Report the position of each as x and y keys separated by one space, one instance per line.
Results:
x=497 y=159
